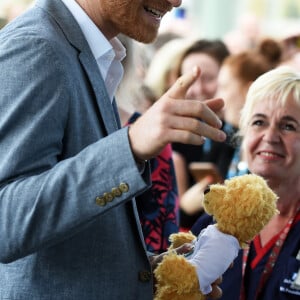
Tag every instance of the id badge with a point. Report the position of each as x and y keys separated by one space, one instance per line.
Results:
x=296 y=282
x=291 y=283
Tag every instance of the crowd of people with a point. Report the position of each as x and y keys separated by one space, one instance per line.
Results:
x=101 y=118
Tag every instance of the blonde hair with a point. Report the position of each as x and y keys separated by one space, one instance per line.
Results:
x=277 y=85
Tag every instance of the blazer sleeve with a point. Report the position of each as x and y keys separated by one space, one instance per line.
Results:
x=44 y=196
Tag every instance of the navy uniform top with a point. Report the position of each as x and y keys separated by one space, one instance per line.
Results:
x=280 y=283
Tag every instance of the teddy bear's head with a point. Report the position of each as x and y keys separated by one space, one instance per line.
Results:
x=241 y=206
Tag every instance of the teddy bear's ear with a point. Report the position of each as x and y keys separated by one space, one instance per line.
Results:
x=271 y=196
x=212 y=198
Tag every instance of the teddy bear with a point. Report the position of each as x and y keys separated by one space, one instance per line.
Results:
x=241 y=207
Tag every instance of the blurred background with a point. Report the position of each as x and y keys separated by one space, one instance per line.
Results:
x=217 y=18
x=240 y=23
x=213 y=18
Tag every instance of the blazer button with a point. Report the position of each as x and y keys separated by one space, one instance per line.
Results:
x=124 y=187
x=100 y=201
x=108 y=197
x=145 y=276
x=116 y=192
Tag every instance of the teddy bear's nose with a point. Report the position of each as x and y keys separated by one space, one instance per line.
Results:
x=207 y=190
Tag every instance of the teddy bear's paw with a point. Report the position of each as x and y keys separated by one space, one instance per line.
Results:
x=167 y=294
x=180 y=238
x=175 y=273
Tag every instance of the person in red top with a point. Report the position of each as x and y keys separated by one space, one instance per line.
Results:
x=158 y=208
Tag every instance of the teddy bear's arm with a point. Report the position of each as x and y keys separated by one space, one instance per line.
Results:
x=213 y=253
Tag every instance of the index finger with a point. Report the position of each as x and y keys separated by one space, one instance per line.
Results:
x=179 y=88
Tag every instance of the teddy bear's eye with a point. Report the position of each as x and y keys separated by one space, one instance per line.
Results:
x=207 y=190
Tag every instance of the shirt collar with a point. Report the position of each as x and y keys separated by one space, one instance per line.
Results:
x=99 y=45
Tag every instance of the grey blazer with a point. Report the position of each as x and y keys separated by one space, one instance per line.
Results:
x=68 y=222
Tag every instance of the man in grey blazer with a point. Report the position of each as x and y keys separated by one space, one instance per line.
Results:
x=68 y=173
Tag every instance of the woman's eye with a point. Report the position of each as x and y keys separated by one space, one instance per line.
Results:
x=288 y=127
x=257 y=123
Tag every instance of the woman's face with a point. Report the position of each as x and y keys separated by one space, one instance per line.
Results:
x=205 y=86
x=272 y=140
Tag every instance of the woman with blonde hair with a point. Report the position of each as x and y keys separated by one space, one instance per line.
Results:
x=270 y=127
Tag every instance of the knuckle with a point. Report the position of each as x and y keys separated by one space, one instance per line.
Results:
x=164 y=105
x=180 y=82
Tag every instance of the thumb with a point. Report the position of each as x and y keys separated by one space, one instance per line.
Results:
x=182 y=84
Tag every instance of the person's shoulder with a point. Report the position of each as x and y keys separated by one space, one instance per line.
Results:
x=34 y=33
x=34 y=24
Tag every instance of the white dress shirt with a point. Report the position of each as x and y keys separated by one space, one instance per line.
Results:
x=108 y=54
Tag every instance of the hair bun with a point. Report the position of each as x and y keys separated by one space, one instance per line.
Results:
x=271 y=49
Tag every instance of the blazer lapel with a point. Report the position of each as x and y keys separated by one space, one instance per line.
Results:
x=103 y=101
x=74 y=35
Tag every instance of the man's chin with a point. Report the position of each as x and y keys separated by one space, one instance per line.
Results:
x=145 y=38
